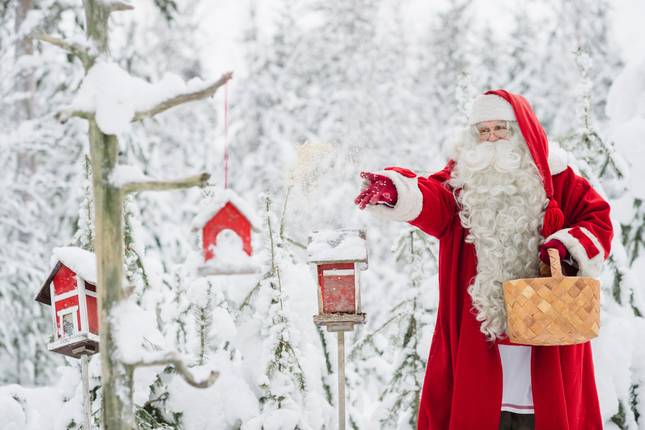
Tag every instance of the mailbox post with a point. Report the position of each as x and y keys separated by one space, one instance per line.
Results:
x=338 y=257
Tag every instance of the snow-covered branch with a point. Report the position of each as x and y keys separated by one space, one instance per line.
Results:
x=191 y=181
x=184 y=98
x=66 y=114
x=78 y=50
x=116 y=5
x=173 y=359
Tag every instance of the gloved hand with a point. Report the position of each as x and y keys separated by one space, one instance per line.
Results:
x=553 y=243
x=378 y=189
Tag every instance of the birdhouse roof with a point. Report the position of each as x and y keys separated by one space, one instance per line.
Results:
x=214 y=204
x=337 y=246
x=78 y=260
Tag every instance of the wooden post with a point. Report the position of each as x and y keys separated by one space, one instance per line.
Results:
x=108 y=204
x=108 y=207
x=341 y=380
x=87 y=408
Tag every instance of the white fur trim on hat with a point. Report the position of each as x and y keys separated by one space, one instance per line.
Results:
x=408 y=204
x=490 y=107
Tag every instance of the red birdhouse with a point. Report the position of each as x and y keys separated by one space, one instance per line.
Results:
x=70 y=290
x=226 y=222
x=338 y=256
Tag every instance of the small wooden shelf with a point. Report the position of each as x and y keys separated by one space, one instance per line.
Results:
x=339 y=322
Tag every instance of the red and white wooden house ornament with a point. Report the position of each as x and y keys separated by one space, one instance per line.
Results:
x=70 y=290
x=226 y=223
x=338 y=257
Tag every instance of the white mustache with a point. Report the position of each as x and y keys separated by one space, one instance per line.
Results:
x=502 y=155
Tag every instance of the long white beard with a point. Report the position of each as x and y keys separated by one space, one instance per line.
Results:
x=502 y=202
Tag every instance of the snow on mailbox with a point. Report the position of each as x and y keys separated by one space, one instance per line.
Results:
x=70 y=290
x=338 y=257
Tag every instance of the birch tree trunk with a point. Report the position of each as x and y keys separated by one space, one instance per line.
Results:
x=108 y=243
x=108 y=201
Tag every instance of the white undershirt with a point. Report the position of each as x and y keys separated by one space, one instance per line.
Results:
x=516 y=370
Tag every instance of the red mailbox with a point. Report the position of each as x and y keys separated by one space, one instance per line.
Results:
x=338 y=257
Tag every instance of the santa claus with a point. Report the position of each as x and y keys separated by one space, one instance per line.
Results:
x=496 y=207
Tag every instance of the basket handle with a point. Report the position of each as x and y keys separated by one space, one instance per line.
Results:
x=554 y=259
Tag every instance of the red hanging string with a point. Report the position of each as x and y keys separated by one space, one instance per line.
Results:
x=226 y=135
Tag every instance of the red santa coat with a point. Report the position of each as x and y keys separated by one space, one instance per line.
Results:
x=462 y=389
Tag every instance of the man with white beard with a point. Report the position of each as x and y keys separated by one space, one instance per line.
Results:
x=495 y=208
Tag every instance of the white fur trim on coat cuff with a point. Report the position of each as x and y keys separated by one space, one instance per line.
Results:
x=409 y=201
x=586 y=266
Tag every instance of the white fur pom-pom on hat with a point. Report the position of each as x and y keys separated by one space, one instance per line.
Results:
x=489 y=107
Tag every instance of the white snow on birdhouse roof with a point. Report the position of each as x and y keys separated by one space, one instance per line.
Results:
x=82 y=262
x=337 y=245
x=212 y=205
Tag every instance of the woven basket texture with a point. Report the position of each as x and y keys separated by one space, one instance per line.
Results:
x=553 y=310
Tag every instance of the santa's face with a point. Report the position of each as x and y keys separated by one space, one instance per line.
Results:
x=477 y=159
x=492 y=130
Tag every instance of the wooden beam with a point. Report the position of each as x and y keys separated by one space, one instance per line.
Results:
x=191 y=181
x=76 y=49
x=184 y=98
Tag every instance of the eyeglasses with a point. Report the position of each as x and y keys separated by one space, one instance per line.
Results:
x=501 y=131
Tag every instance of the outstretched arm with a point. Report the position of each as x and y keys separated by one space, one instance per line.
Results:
x=423 y=202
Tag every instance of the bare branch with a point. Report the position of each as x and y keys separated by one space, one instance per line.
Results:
x=184 y=98
x=191 y=181
x=79 y=51
x=173 y=359
x=65 y=115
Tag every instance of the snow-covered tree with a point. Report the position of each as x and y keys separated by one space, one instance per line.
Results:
x=445 y=59
x=400 y=399
x=622 y=303
x=38 y=181
x=282 y=382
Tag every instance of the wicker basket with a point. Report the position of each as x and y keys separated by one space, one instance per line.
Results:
x=555 y=310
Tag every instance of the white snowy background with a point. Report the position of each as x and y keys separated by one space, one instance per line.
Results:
x=322 y=90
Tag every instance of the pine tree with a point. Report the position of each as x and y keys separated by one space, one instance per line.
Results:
x=445 y=60
x=283 y=382
x=400 y=399
x=621 y=302
x=213 y=325
x=38 y=182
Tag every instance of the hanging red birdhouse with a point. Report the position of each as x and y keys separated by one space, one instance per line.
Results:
x=338 y=257
x=226 y=223
x=70 y=290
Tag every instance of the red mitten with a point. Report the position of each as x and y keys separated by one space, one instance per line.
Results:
x=553 y=243
x=379 y=189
